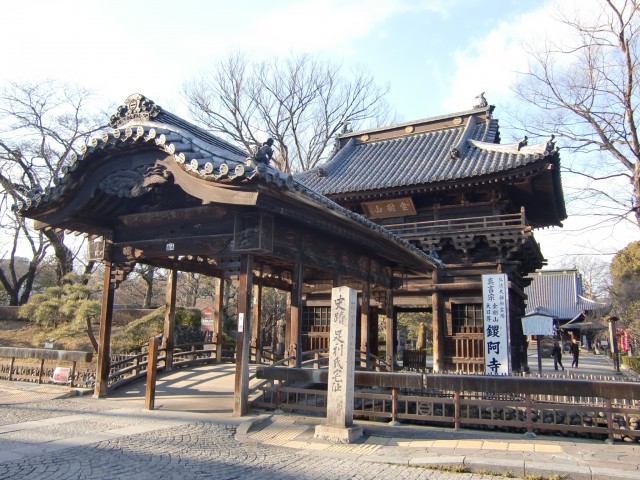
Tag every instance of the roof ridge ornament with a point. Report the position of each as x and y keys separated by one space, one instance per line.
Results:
x=135 y=107
x=550 y=146
x=523 y=143
x=482 y=102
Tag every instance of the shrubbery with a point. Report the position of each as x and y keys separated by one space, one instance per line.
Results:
x=632 y=362
x=138 y=332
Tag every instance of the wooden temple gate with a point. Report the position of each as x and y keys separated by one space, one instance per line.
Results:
x=157 y=190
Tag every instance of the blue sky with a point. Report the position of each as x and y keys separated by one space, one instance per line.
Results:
x=435 y=55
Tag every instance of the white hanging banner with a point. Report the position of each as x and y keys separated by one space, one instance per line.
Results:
x=495 y=303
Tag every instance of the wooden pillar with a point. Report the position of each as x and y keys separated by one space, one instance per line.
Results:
x=439 y=327
x=152 y=373
x=365 y=325
x=390 y=331
x=256 y=321
x=218 y=317
x=295 y=337
x=169 y=318
x=287 y=327
x=241 y=386
x=104 y=345
x=374 y=329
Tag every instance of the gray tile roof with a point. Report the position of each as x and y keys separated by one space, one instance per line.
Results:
x=419 y=159
x=558 y=293
x=202 y=155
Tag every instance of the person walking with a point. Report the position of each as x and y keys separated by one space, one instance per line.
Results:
x=574 y=349
x=556 y=353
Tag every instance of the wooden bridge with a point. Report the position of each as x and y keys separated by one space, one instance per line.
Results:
x=584 y=404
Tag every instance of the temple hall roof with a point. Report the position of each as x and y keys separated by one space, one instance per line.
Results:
x=433 y=153
x=559 y=293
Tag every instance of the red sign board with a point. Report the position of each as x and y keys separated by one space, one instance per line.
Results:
x=206 y=323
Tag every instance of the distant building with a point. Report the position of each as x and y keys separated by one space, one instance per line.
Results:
x=559 y=294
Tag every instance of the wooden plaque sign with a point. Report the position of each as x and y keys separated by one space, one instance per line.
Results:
x=397 y=207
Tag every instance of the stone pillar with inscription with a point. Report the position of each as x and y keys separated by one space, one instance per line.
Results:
x=342 y=349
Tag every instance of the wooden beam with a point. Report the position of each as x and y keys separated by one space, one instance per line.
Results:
x=345 y=267
x=295 y=347
x=210 y=192
x=256 y=320
x=104 y=345
x=241 y=386
x=193 y=215
x=439 y=327
x=365 y=324
x=389 y=330
x=152 y=373
x=171 y=246
x=218 y=314
x=440 y=287
x=170 y=317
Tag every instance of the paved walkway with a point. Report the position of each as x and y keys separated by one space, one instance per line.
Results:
x=44 y=434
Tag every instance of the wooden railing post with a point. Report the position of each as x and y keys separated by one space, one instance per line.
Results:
x=456 y=410
x=152 y=370
x=394 y=405
x=73 y=373
x=41 y=371
x=609 y=412
x=137 y=365
x=528 y=411
x=13 y=361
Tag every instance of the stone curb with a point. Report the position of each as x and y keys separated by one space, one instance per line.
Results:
x=243 y=429
x=574 y=470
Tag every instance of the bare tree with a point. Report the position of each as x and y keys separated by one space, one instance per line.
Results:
x=586 y=91
x=18 y=273
x=40 y=123
x=300 y=102
x=192 y=287
x=596 y=277
x=147 y=274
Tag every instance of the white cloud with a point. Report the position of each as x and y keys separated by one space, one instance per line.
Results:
x=491 y=63
x=328 y=25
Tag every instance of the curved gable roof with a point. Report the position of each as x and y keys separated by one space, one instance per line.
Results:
x=122 y=165
x=422 y=156
x=437 y=153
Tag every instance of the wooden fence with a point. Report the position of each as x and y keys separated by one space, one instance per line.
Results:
x=529 y=405
x=588 y=408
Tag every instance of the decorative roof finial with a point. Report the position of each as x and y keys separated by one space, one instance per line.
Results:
x=482 y=103
x=345 y=126
x=523 y=143
x=551 y=145
x=265 y=152
x=135 y=107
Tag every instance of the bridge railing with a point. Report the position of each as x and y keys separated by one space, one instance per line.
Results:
x=535 y=405
x=41 y=371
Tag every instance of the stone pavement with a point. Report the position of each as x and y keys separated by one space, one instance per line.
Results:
x=47 y=434
x=475 y=451
x=42 y=437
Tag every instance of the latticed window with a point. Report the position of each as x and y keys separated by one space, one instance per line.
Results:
x=313 y=317
x=466 y=315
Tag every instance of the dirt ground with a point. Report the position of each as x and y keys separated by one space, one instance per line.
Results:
x=20 y=334
x=17 y=334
